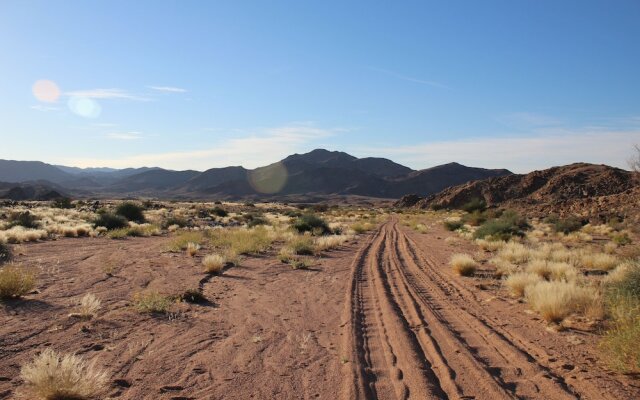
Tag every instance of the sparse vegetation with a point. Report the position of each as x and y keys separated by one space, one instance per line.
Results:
x=508 y=225
x=453 y=224
x=131 y=212
x=24 y=219
x=214 y=263
x=151 y=302
x=88 y=307
x=55 y=376
x=567 y=225
x=463 y=264
x=518 y=282
x=192 y=248
x=5 y=253
x=475 y=205
x=555 y=300
x=242 y=240
x=16 y=281
x=311 y=223
x=110 y=221
x=182 y=240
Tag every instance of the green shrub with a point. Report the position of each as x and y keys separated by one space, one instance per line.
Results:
x=311 y=223
x=475 y=218
x=453 y=225
x=567 y=225
x=152 y=302
x=475 y=204
x=62 y=202
x=621 y=239
x=110 y=221
x=24 y=219
x=131 y=211
x=174 y=220
x=219 y=211
x=509 y=224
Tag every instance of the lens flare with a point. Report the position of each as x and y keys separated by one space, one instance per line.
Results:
x=46 y=91
x=84 y=107
x=270 y=179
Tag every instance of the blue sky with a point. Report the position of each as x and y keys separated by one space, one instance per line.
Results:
x=193 y=85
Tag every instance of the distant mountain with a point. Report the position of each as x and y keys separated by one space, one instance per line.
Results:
x=314 y=174
x=28 y=191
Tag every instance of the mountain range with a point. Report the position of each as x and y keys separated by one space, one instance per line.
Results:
x=317 y=173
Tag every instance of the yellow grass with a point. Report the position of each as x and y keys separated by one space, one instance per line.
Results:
x=54 y=376
x=214 y=263
x=88 y=307
x=16 y=281
x=243 y=240
x=192 y=248
x=514 y=253
x=518 y=282
x=490 y=245
x=463 y=264
x=331 y=241
x=556 y=300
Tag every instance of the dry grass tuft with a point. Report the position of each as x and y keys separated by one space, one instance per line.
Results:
x=518 y=282
x=151 y=302
x=323 y=243
x=54 y=376
x=555 y=300
x=514 y=253
x=16 y=281
x=490 y=245
x=88 y=307
x=192 y=248
x=214 y=263
x=463 y=264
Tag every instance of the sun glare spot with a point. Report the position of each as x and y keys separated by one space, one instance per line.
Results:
x=269 y=179
x=84 y=107
x=45 y=90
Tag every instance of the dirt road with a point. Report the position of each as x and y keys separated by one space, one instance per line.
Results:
x=414 y=332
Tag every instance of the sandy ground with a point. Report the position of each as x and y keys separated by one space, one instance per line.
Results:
x=380 y=318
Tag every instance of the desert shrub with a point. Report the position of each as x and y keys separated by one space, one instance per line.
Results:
x=131 y=211
x=241 y=240
x=286 y=254
x=301 y=263
x=63 y=203
x=311 y=223
x=194 y=296
x=555 y=300
x=518 y=282
x=490 y=245
x=120 y=233
x=509 y=224
x=214 y=263
x=175 y=220
x=151 y=302
x=452 y=224
x=16 y=281
x=182 y=240
x=622 y=301
x=110 y=221
x=331 y=241
x=463 y=264
x=621 y=239
x=192 y=248
x=362 y=227
x=301 y=245
x=475 y=218
x=567 y=225
x=54 y=376
x=596 y=261
x=5 y=253
x=88 y=307
x=514 y=253
x=254 y=219
x=474 y=205
x=219 y=211
x=24 y=219
x=292 y=213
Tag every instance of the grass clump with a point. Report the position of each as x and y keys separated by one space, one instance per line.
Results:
x=474 y=205
x=219 y=211
x=55 y=376
x=151 y=302
x=490 y=245
x=242 y=240
x=24 y=219
x=110 y=221
x=518 y=282
x=301 y=245
x=16 y=281
x=452 y=224
x=214 y=263
x=192 y=248
x=621 y=239
x=182 y=240
x=88 y=307
x=508 y=225
x=330 y=242
x=131 y=211
x=62 y=203
x=514 y=253
x=463 y=264
x=555 y=300
x=311 y=223
x=622 y=302
x=567 y=225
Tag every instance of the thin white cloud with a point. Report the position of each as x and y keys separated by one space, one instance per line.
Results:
x=528 y=120
x=260 y=148
x=124 y=135
x=106 y=94
x=409 y=78
x=519 y=153
x=170 y=89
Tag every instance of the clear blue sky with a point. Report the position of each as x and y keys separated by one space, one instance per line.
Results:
x=187 y=84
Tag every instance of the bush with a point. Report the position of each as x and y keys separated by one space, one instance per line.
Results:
x=463 y=264
x=567 y=225
x=509 y=224
x=151 y=302
x=174 y=220
x=24 y=219
x=475 y=218
x=16 y=281
x=5 y=253
x=63 y=203
x=110 y=221
x=621 y=239
x=556 y=300
x=214 y=263
x=131 y=211
x=53 y=376
x=311 y=223
x=301 y=245
x=182 y=240
x=475 y=205
x=518 y=282
x=219 y=211
x=452 y=225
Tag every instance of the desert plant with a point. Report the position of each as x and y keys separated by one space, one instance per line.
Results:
x=219 y=211
x=214 y=263
x=16 y=281
x=242 y=241
x=301 y=263
x=463 y=264
x=514 y=253
x=55 y=376
x=110 y=221
x=509 y=224
x=88 y=307
x=490 y=245
x=192 y=248
x=311 y=223
x=518 y=282
x=182 y=240
x=175 y=220
x=151 y=302
x=131 y=211
x=621 y=239
x=5 y=253
x=567 y=225
x=474 y=205
x=301 y=245
x=555 y=300
x=452 y=224
x=62 y=203
x=24 y=219
x=475 y=218
x=330 y=241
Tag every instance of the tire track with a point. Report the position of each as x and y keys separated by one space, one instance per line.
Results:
x=413 y=334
